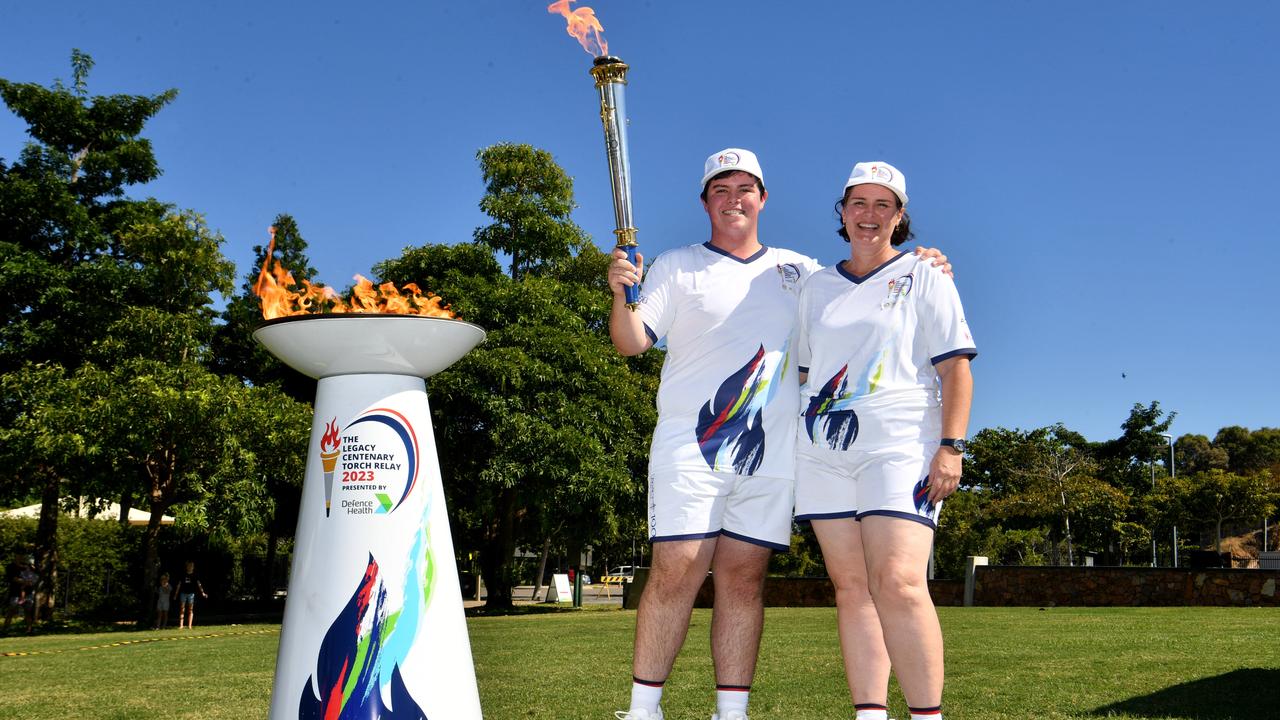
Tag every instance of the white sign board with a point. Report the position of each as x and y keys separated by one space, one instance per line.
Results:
x=558 y=590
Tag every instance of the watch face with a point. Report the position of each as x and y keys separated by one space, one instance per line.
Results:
x=960 y=446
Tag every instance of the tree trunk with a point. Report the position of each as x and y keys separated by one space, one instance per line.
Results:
x=266 y=588
x=150 y=565
x=495 y=557
x=542 y=568
x=126 y=504
x=160 y=481
x=47 y=546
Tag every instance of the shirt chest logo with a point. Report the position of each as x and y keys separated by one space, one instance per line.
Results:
x=790 y=274
x=899 y=288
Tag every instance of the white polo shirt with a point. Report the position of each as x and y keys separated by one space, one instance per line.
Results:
x=728 y=397
x=869 y=345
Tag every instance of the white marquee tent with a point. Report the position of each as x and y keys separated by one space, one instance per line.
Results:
x=111 y=512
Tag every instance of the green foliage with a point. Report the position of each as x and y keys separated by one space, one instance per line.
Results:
x=805 y=557
x=1129 y=458
x=66 y=267
x=530 y=198
x=1216 y=497
x=544 y=428
x=1195 y=454
x=1115 y=495
x=96 y=562
x=114 y=296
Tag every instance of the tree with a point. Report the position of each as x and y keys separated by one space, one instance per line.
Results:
x=1195 y=454
x=65 y=269
x=1129 y=461
x=42 y=440
x=115 y=296
x=1217 y=496
x=543 y=428
x=1045 y=481
x=1249 y=452
x=193 y=439
x=530 y=198
x=234 y=352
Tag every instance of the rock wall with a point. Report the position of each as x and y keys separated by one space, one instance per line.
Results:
x=1043 y=586
x=1124 y=586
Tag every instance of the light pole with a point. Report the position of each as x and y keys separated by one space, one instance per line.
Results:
x=1173 y=473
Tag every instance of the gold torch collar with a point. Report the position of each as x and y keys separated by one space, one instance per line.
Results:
x=609 y=69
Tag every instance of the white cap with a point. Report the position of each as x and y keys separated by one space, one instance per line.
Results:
x=731 y=159
x=879 y=173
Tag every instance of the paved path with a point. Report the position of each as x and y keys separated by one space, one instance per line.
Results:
x=591 y=595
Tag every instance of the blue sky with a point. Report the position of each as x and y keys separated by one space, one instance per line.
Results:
x=1098 y=172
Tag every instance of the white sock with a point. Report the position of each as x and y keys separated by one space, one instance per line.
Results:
x=732 y=697
x=645 y=695
x=871 y=711
x=932 y=713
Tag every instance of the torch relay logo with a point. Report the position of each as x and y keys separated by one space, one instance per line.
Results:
x=372 y=463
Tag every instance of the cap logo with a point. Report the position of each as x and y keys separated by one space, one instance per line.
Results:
x=729 y=158
x=881 y=173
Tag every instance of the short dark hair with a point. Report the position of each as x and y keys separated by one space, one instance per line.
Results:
x=725 y=174
x=901 y=233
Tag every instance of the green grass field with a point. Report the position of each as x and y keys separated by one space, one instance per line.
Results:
x=1002 y=663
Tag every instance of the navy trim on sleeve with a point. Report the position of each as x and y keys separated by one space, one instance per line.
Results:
x=971 y=352
x=653 y=337
x=803 y=368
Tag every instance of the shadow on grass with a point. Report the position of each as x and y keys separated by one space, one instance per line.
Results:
x=1237 y=695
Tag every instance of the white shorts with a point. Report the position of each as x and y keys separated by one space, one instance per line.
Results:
x=691 y=504
x=854 y=483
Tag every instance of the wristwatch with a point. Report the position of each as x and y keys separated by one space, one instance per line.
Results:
x=958 y=443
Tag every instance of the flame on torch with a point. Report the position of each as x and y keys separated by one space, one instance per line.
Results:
x=329 y=440
x=281 y=295
x=583 y=25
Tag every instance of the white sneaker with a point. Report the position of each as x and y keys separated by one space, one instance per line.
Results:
x=638 y=714
x=731 y=715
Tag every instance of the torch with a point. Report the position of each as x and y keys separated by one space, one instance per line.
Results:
x=611 y=78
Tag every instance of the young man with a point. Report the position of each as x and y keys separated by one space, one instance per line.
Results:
x=721 y=465
x=721 y=461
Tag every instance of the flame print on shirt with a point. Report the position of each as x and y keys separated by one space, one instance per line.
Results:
x=829 y=420
x=359 y=659
x=920 y=495
x=730 y=427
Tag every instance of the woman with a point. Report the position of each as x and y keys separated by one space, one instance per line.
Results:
x=877 y=453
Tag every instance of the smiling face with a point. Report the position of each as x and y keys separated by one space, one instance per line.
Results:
x=733 y=204
x=870 y=214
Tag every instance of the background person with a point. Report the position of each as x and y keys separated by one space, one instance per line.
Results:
x=21 y=578
x=163 y=593
x=185 y=592
x=876 y=452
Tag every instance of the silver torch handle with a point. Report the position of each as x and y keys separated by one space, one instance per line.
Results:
x=611 y=80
